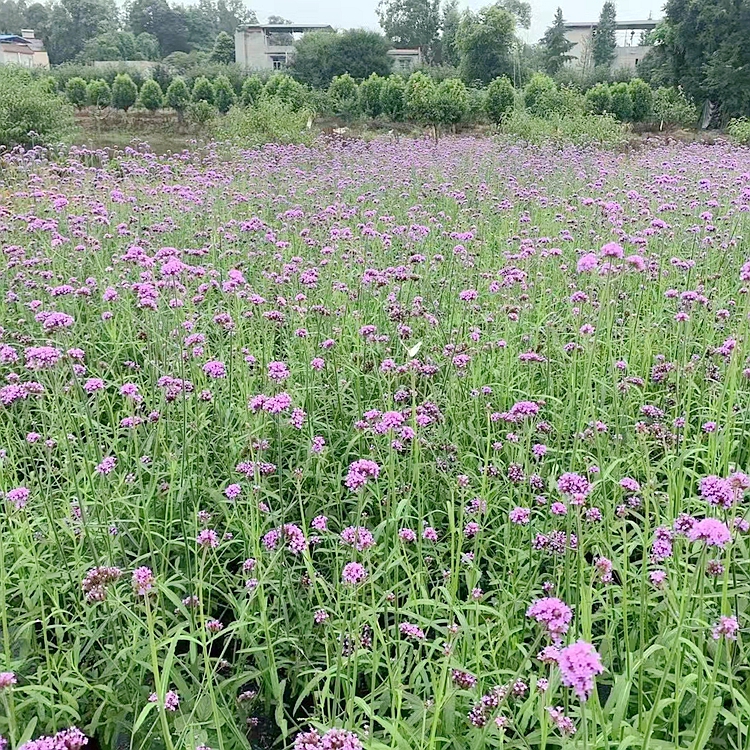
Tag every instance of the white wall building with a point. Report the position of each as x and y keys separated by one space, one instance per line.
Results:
x=629 y=51
x=24 y=50
x=270 y=46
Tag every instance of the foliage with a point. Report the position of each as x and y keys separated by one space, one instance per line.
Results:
x=271 y=121
x=485 y=41
x=344 y=95
x=451 y=20
x=151 y=96
x=476 y=109
x=501 y=99
x=556 y=45
x=519 y=9
x=603 y=49
x=393 y=98
x=621 y=101
x=203 y=90
x=581 y=129
x=30 y=114
x=420 y=98
x=321 y=56
x=369 y=95
x=642 y=98
x=98 y=93
x=121 y=45
x=201 y=112
x=75 y=90
x=124 y=92
x=177 y=96
x=739 y=130
x=540 y=95
x=411 y=23
x=223 y=51
x=252 y=90
x=224 y=96
x=286 y=89
x=162 y=75
x=599 y=99
x=673 y=107
x=451 y=101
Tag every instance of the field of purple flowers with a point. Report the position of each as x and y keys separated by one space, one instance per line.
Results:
x=383 y=445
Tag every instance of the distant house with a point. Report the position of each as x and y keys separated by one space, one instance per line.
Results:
x=24 y=50
x=405 y=59
x=269 y=46
x=629 y=51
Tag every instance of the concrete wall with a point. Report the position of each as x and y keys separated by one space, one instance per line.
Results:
x=251 y=50
x=626 y=57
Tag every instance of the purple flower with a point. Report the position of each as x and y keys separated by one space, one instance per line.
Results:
x=143 y=580
x=353 y=573
x=215 y=369
x=727 y=627
x=553 y=613
x=411 y=631
x=711 y=531
x=19 y=496
x=578 y=664
x=7 y=680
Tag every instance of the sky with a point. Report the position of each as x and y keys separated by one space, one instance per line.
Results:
x=361 y=13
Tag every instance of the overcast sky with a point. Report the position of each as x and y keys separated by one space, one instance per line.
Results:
x=361 y=13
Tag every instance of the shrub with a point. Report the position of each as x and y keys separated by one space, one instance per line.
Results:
x=201 y=112
x=223 y=51
x=739 y=130
x=622 y=104
x=476 y=109
x=75 y=90
x=178 y=96
x=344 y=95
x=224 y=96
x=369 y=95
x=151 y=96
x=161 y=74
x=540 y=95
x=581 y=129
x=501 y=98
x=599 y=99
x=29 y=113
x=451 y=101
x=672 y=107
x=124 y=92
x=643 y=100
x=286 y=89
x=252 y=90
x=421 y=98
x=270 y=121
x=203 y=90
x=98 y=93
x=392 y=98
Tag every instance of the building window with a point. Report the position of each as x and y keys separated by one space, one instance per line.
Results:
x=405 y=63
x=278 y=62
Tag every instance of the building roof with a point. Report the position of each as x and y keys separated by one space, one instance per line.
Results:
x=12 y=39
x=619 y=25
x=404 y=51
x=294 y=28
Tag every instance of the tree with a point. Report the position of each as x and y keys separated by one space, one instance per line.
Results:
x=344 y=95
x=124 y=92
x=556 y=45
x=121 y=45
x=411 y=23
x=224 y=96
x=519 y=9
x=252 y=90
x=157 y=18
x=604 y=45
x=223 y=51
x=178 y=96
x=321 y=56
x=286 y=89
x=421 y=98
x=369 y=95
x=451 y=101
x=203 y=91
x=392 y=98
x=75 y=90
x=450 y=23
x=151 y=96
x=539 y=95
x=501 y=99
x=621 y=102
x=67 y=25
x=98 y=93
x=642 y=98
x=485 y=41
x=599 y=99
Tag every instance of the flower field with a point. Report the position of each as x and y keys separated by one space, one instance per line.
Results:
x=385 y=445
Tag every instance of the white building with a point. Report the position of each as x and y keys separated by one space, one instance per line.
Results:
x=270 y=46
x=24 y=50
x=404 y=60
x=629 y=51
